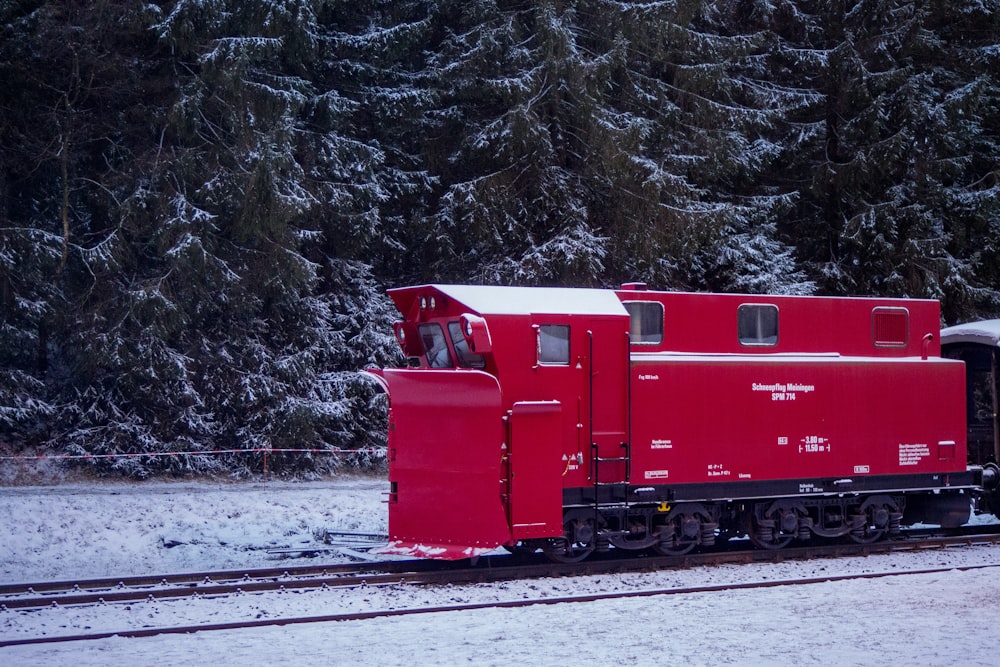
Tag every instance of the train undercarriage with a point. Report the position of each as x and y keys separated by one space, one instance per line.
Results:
x=772 y=523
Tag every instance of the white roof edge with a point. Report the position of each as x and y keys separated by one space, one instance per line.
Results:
x=499 y=300
x=763 y=358
x=984 y=332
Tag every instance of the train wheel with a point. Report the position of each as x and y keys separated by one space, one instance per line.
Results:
x=678 y=537
x=763 y=534
x=673 y=548
x=867 y=535
x=872 y=521
x=579 y=538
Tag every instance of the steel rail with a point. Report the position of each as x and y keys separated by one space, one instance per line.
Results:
x=194 y=579
x=485 y=570
x=505 y=604
x=734 y=551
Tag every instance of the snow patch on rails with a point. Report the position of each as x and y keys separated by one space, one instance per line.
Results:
x=283 y=596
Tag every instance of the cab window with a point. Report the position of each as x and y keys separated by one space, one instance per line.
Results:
x=553 y=344
x=435 y=346
x=466 y=357
x=645 y=321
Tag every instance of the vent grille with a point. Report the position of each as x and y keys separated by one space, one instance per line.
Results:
x=891 y=327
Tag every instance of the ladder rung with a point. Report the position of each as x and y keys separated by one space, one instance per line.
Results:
x=601 y=459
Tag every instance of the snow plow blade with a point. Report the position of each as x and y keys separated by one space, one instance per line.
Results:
x=446 y=439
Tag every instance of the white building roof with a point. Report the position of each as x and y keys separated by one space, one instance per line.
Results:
x=985 y=332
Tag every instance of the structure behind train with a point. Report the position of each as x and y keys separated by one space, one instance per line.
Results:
x=581 y=420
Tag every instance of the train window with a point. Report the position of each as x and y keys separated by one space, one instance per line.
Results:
x=890 y=327
x=757 y=324
x=435 y=346
x=978 y=381
x=466 y=357
x=980 y=397
x=553 y=344
x=645 y=321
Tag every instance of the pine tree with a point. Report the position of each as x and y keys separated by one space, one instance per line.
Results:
x=906 y=102
x=74 y=100
x=594 y=142
x=234 y=315
x=196 y=286
x=957 y=113
x=199 y=200
x=367 y=130
x=508 y=144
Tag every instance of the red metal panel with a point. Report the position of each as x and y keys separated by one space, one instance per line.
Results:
x=739 y=418
x=446 y=436
x=703 y=323
x=537 y=464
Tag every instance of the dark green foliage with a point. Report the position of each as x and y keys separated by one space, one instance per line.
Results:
x=896 y=148
x=200 y=295
x=202 y=202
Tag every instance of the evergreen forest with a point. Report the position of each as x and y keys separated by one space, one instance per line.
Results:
x=202 y=202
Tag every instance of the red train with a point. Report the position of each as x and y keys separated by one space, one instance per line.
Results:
x=578 y=420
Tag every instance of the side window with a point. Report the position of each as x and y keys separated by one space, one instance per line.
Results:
x=980 y=397
x=758 y=324
x=435 y=346
x=466 y=357
x=978 y=381
x=645 y=321
x=553 y=344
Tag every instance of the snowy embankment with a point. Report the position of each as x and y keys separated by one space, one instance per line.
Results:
x=94 y=529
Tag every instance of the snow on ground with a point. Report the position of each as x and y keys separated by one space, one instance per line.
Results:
x=96 y=530
x=101 y=529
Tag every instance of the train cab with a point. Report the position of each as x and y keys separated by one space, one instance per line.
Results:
x=511 y=394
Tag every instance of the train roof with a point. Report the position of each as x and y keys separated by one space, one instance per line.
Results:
x=984 y=332
x=498 y=300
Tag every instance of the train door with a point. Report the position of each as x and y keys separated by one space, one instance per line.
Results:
x=542 y=429
x=535 y=482
x=608 y=384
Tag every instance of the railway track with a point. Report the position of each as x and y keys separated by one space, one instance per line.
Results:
x=487 y=569
x=130 y=589
x=507 y=604
x=25 y=597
